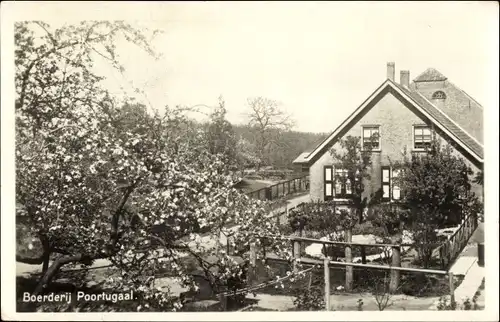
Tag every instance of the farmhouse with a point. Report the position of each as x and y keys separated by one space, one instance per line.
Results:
x=400 y=117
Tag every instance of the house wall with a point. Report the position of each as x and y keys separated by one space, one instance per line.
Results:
x=396 y=120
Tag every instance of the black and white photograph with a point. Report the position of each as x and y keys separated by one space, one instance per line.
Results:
x=249 y=160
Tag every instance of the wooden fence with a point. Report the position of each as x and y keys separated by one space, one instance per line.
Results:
x=278 y=190
x=281 y=216
x=394 y=267
x=451 y=248
x=395 y=257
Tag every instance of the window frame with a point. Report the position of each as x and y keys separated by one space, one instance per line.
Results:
x=343 y=186
x=378 y=149
x=441 y=94
x=423 y=126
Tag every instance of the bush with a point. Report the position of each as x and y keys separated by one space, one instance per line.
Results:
x=420 y=284
x=387 y=217
x=368 y=228
x=297 y=219
x=310 y=299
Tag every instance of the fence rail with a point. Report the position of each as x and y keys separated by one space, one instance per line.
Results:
x=451 y=248
x=280 y=189
x=281 y=216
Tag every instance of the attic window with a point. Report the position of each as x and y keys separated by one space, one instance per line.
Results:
x=439 y=95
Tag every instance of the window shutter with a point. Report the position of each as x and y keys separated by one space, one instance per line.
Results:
x=328 y=182
x=386 y=183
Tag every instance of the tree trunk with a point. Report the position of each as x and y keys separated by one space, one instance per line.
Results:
x=52 y=270
x=46 y=254
x=360 y=215
x=49 y=274
x=46 y=259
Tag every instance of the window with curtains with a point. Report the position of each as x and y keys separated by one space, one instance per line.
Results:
x=390 y=185
x=371 y=137
x=343 y=185
x=336 y=183
x=422 y=137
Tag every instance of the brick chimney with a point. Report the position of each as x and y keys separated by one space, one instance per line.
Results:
x=404 y=78
x=390 y=71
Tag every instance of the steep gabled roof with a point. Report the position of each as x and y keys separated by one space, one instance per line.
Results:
x=430 y=75
x=446 y=121
x=441 y=120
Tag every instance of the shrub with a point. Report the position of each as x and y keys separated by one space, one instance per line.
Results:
x=445 y=305
x=420 y=284
x=387 y=217
x=360 y=305
x=368 y=228
x=467 y=305
x=309 y=299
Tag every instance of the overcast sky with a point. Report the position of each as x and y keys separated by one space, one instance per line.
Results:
x=321 y=60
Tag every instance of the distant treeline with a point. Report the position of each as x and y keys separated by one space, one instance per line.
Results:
x=285 y=146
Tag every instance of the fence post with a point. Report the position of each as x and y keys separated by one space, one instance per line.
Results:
x=253 y=262
x=296 y=255
x=363 y=255
x=348 y=259
x=441 y=257
x=327 y=283
x=452 y=287
x=223 y=302
x=395 y=274
x=269 y=193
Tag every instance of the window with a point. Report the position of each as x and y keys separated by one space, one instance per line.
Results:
x=371 y=137
x=440 y=95
x=343 y=185
x=422 y=137
x=328 y=173
x=386 y=183
x=336 y=183
x=396 y=191
x=390 y=184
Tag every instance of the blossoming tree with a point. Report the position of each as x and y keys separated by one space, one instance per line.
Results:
x=98 y=178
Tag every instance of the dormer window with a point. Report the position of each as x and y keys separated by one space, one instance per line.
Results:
x=439 y=95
